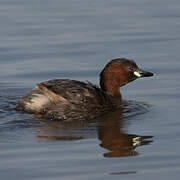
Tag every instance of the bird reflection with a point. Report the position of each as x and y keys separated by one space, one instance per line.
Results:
x=114 y=139
x=109 y=129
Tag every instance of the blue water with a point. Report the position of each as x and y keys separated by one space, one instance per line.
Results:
x=41 y=40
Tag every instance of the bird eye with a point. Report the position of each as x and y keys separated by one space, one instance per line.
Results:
x=131 y=69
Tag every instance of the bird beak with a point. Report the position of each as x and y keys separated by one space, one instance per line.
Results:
x=141 y=73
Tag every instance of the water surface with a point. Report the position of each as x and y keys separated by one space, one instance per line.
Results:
x=41 y=40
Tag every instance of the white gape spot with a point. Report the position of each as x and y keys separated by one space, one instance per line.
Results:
x=136 y=141
x=136 y=73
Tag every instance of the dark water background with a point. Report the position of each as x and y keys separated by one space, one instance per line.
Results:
x=42 y=39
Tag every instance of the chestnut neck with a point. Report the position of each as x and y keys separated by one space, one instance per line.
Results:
x=112 y=78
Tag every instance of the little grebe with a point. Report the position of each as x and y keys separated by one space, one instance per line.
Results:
x=64 y=99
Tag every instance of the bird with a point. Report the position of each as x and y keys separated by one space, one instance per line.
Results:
x=67 y=100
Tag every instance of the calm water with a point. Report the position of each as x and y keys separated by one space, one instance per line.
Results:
x=42 y=39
